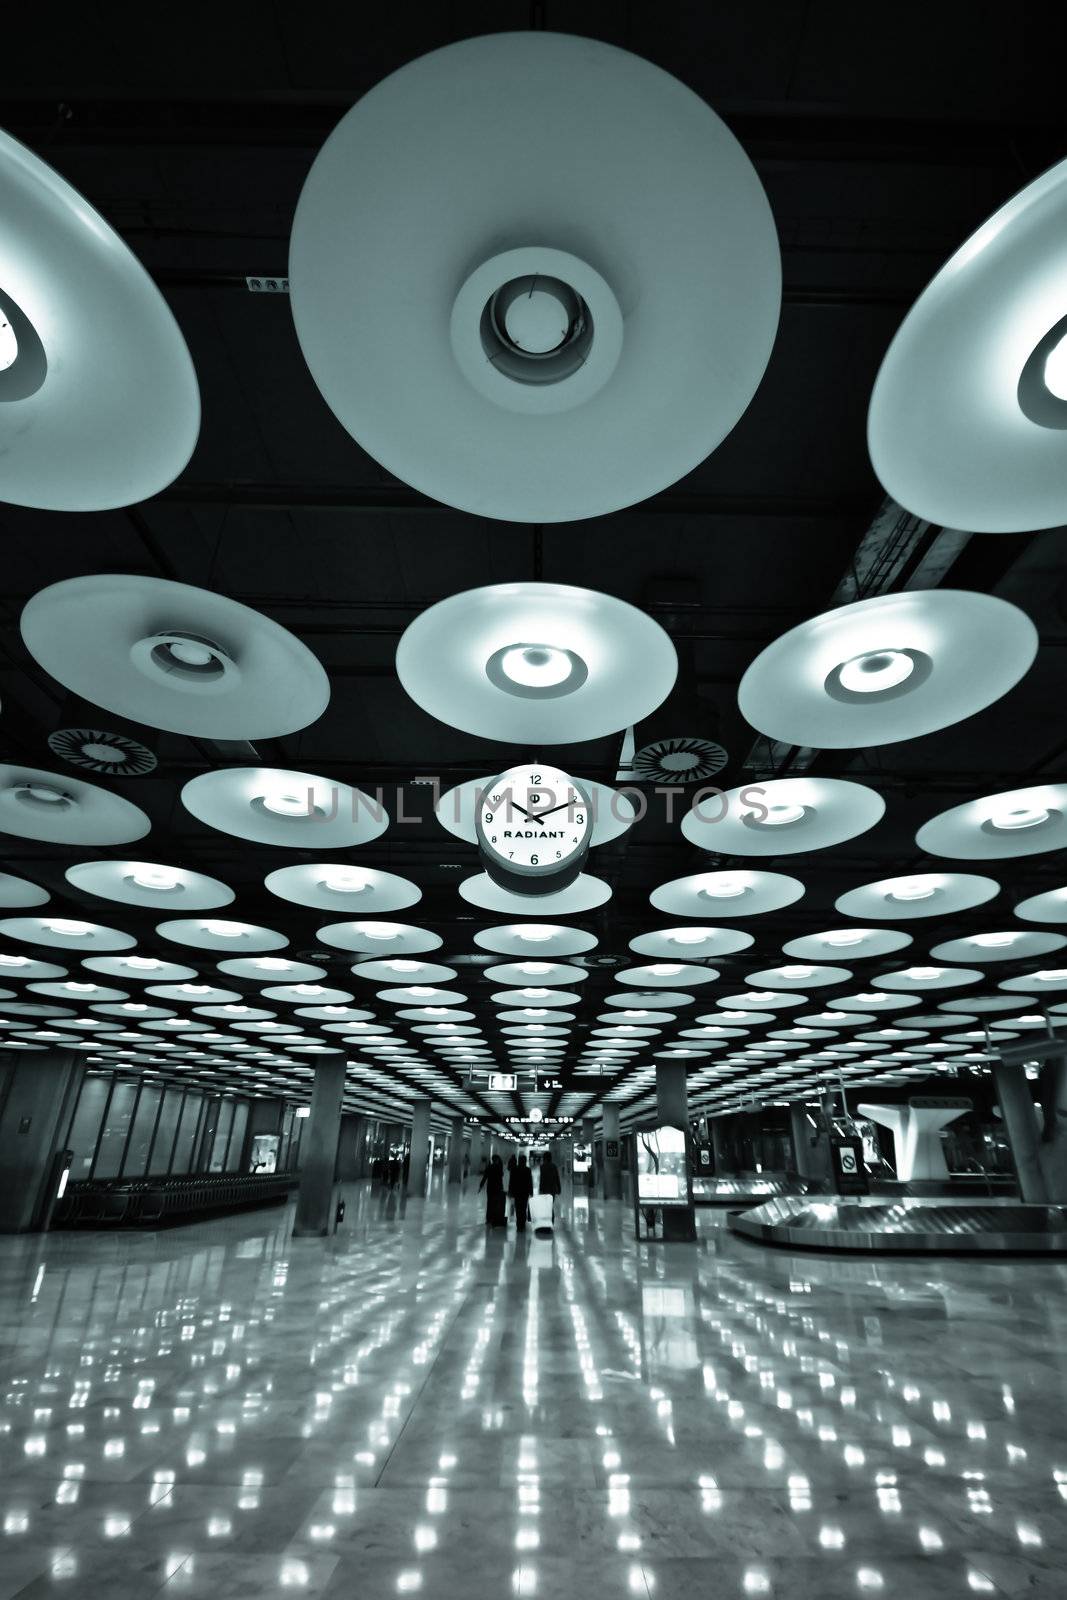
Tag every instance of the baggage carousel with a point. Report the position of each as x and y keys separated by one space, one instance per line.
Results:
x=746 y=1189
x=915 y=1224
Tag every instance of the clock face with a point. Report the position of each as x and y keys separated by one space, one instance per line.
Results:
x=534 y=820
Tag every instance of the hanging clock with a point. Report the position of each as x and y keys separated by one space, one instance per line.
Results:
x=534 y=827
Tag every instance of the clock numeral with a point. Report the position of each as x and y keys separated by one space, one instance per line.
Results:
x=493 y=839
x=558 y=854
x=534 y=861
x=580 y=819
x=535 y=777
x=488 y=818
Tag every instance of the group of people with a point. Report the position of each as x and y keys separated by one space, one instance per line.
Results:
x=516 y=1185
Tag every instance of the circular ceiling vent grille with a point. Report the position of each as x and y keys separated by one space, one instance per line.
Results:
x=100 y=751
x=679 y=760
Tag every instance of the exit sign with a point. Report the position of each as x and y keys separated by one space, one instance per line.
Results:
x=503 y=1081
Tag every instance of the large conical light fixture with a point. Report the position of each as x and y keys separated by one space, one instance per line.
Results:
x=175 y=657
x=968 y=418
x=535 y=276
x=99 y=405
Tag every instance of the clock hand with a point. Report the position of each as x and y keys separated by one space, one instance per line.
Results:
x=538 y=816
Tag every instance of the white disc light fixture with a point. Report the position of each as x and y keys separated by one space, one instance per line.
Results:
x=893 y=667
x=687 y=944
x=99 y=405
x=535 y=940
x=221 y=933
x=782 y=816
x=918 y=894
x=295 y=810
x=56 y=809
x=857 y=944
x=569 y=279
x=16 y=892
x=148 y=883
x=1051 y=906
x=343 y=886
x=66 y=933
x=1021 y=822
x=537 y=663
x=726 y=894
x=584 y=894
x=968 y=416
x=175 y=657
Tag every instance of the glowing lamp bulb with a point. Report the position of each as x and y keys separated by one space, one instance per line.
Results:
x=1013 y=817
x=841 y=937
x=1052 y=975
x=148 y=877
x=9 y=344
x=920 y=887
x=665 y=969
x=75 y=930
x=222 y=929
x=726 y=886
x=1056 y=370
x=134 y=1005
x=309 y=989
x=781 y=812
x=272 y=964
x=14 y=961
x=284 y=804
x=535 y=932
x=923 y=974
x=535 y=969
x=403 y=966
x=345 y=880
x=536 y=666
x=993 y=940
x=191 y=652
x=143 y=963
x=79 y=988
x=380 y=930
x=875 y=671
x=796 y=972
x=421 y=990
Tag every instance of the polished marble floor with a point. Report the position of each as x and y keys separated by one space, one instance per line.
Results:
x=414 y=1407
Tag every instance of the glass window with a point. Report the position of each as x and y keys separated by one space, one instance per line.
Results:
x=85 y=1125
x=183 y=1145
x=166 y=1128
x=135 y=1164
x=116 y=1131
x=222 y=1136
x=237 y=1136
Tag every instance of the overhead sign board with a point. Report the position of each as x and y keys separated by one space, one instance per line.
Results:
x=503 y=1082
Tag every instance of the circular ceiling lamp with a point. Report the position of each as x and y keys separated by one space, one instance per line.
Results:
x=76 y=991
x=540 y=999
x=889 y=668
x=16 y=893
x=762 y=999
x=400 y=969
x=649 y=1000
x=99 y=405
x=584 y=894
x=607 y=275
x=132 y=1011
x=877 y=1001
x=270 y=969
x=914 y=980
x=201 y=993
x=782 y=816
x=142 y=969
x=857 y=944
x=919 y=894
x=536 y=974
x=969 y=410
x=536 y=663
x=147 y=883
x=175 y=657
x=1044 y=981
x=1048 y=907
x=691 y=943
x=1020 y=822
x=726 y=894
x=537 y=940
x=432 y=1014
x=1007 y=945
x=382 y=938
x=804 y=975
x=56 y=809
x=456 y=811
x=66 y=933
x=423 y=995
x=665 y=975
x=220 y=933
x=295 y=810
x=340 y=886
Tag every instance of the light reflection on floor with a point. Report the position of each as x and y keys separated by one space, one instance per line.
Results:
x=415 y=1407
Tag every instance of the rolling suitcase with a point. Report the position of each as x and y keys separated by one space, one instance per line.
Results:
x=541 y=1213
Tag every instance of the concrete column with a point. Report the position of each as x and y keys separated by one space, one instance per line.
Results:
x=455 y=1150
x=589 y=1138
x=1053 y=1149
x=35 y=1116
x=1020 y=1120
x=672 y=1096
x=612 y=1188
x=477 y=1153
x=420 y=1139
x=720 y=1147
x=318 y=1151
x=802 y=1131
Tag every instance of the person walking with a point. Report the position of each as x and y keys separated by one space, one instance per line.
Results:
x=549 y=1180
x=520 y=1189
x=493 y=1184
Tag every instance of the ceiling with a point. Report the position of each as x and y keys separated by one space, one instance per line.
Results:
x=883 y=139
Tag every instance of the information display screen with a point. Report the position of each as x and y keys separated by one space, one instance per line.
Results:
x=582 y=1157
x=662 y=1168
